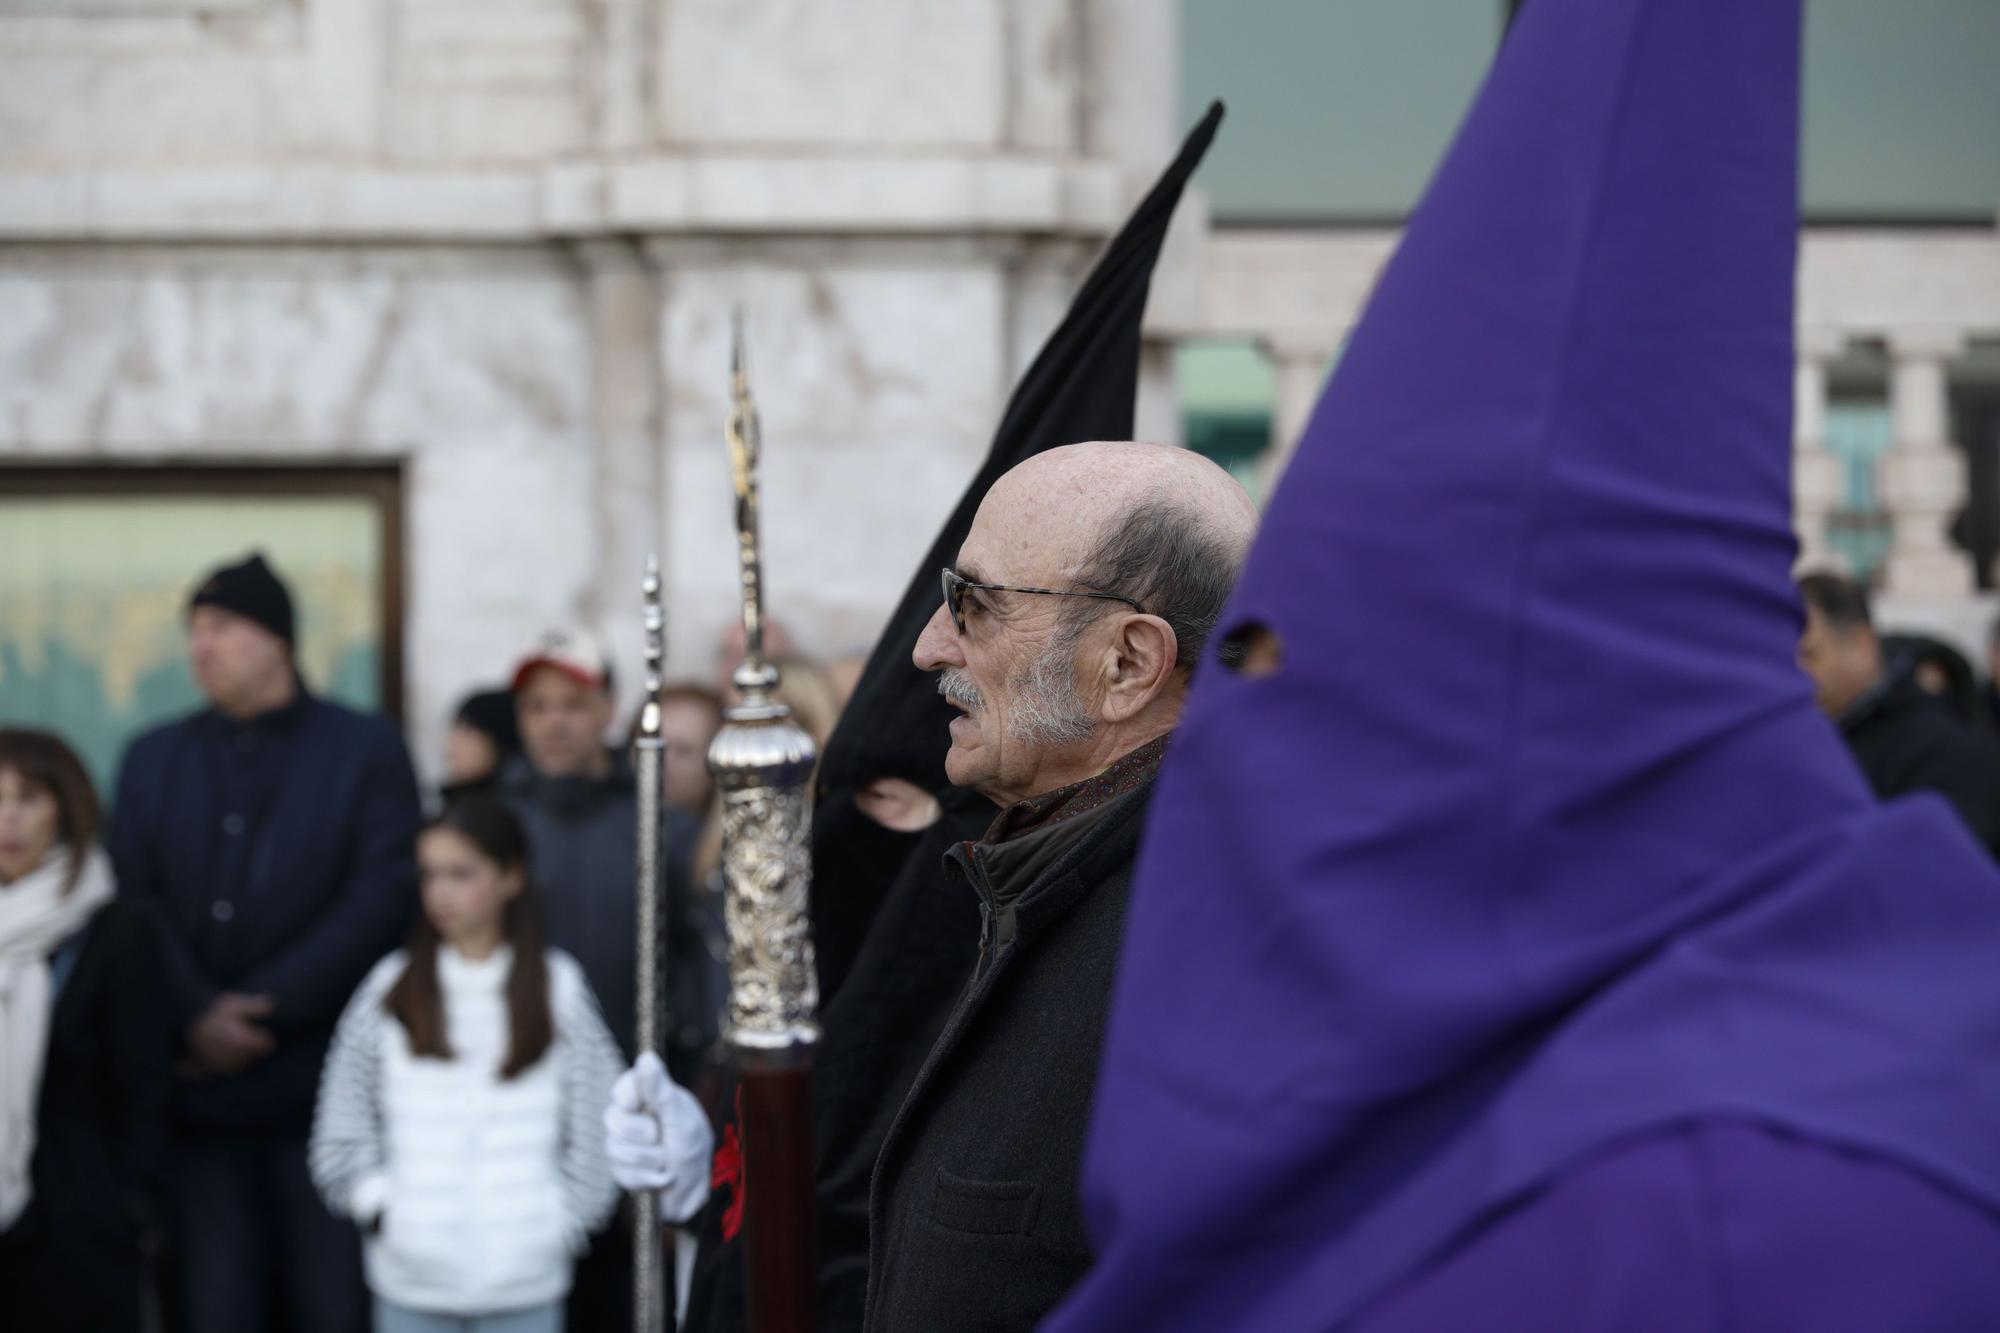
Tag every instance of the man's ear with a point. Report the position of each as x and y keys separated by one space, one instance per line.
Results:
x=1137 y=664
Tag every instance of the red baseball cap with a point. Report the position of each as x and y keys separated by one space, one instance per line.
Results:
x=571 y=652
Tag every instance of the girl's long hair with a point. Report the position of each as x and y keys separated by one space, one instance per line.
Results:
x=416 y=1000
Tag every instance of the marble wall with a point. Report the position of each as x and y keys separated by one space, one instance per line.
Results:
x=497 y=242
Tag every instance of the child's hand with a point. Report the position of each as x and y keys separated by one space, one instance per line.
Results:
x=658 y=1138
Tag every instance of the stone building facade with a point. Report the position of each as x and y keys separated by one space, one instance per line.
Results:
x=496 y=243
x=1907 y=318
x=492 y=246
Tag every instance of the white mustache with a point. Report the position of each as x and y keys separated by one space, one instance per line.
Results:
x=957 y=687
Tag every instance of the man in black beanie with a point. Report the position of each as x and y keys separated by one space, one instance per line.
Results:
x=274 y=833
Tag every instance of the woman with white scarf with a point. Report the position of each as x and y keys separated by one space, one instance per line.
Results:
x=83 y=1055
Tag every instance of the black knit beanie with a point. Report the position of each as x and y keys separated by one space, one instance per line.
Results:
x=492 y=711
x=252 y=591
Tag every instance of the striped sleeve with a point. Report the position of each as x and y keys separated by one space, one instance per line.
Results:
x=591 y=1064
x=346 y=1154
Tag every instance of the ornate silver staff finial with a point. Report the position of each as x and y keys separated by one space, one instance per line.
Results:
x=762 y=762
x=648 y=1286
x=745 y=448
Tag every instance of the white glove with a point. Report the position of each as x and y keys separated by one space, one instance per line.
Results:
x=658 y=1138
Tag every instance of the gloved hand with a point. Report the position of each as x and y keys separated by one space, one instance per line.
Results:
x=658 y=1138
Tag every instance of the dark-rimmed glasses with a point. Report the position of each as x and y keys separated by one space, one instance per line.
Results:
x=955 y=588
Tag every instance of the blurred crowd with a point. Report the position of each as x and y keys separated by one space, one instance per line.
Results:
x=287 y=1044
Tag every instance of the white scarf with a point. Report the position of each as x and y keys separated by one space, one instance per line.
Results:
x=36 y=916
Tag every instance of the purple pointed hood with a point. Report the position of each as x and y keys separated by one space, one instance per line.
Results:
x=1535 y=839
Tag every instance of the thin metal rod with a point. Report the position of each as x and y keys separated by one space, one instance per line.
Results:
x=648 y=1263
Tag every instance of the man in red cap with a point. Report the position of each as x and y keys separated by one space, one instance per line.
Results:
x=579 y=802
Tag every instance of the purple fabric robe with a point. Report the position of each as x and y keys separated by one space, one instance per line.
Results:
x=1535 y=844
x=1721 y=1225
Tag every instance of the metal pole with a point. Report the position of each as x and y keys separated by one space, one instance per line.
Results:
x=648 y=1288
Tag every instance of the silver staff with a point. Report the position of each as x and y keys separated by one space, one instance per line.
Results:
x=648 y=1289
x=763 y=763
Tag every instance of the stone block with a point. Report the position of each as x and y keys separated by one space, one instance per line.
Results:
x=880 y=73
x=879 y=382
x=1044 y=57
x=520 y=125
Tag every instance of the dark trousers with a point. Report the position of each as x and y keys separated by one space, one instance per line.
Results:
x=254 y=1250
x=60 y=1272
x=600 y=1293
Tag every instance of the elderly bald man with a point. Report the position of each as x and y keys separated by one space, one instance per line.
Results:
x=1072 y=620
x=1071 y=623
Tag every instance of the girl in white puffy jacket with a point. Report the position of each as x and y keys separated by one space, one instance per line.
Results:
x=458 y=1118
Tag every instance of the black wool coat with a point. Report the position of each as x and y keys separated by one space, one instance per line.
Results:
x=583 y=856
x=1908 y=741
x=73 y=1259
x=975 y=1220
x=280 y=858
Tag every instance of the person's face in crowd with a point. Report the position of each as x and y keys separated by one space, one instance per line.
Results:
x=239 y=665
x=465 y=891
x=30 y=823
x=686 y=728
x=563 y=722
x=1011 y=672
x=469 y=754
x=1931 y=678
x=1843 y=664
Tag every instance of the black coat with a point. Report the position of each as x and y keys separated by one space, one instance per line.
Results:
x=876 y=1031
x=295 y=895
x=72 y=1260
x=1908 y=741
x=975 y=1221
x=583 y=855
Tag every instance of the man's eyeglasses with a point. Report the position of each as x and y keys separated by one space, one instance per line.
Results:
x=955 y=588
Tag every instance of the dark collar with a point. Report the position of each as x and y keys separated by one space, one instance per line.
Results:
x=1125 y=775
x=1865 y=704
x=1890 y=696
x=521 y=780
x=285 y=717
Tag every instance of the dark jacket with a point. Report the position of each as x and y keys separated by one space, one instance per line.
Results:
x=974 y=1218
x=1908 y=741
x=73 y=1259
x=279 y=855
x=907 y=972
x=583 y=850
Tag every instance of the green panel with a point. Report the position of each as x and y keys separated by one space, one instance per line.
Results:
x=1336 y=110
x=1224 y=376
x=1339 y=110
x=1226 y=390
x=93 y=594
x=1902 y=109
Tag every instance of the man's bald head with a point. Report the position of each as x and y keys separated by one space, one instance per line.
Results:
x=1058 y=686
x=1057 y=508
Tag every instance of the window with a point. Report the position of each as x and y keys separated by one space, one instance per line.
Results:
x=1227 y=390
x=96 y=566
